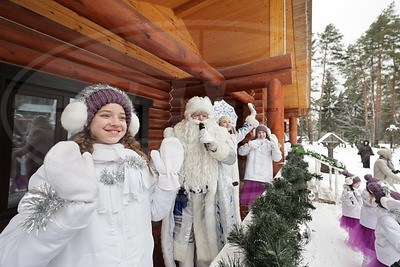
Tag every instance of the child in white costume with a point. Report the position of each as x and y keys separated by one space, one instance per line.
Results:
x=92 y=201
x=261 y=152
x=351 y=203
x=228 y=207
x=387 y=230
x=363 y=237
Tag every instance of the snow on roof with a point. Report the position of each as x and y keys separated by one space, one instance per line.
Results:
x=327 y=135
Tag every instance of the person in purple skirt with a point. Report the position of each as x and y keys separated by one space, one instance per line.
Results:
x=363 y=236
x=260 y=153
x=351 y=204
x=387 y=230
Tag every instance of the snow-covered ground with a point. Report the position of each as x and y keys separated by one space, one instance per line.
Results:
x=327 y=245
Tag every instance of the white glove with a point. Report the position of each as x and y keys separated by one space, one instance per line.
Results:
x=206 y=138
x=254 y=144
x=168 y=163
x=273 y=139
x=253 y=111
x=73 y=177
x=70 y=173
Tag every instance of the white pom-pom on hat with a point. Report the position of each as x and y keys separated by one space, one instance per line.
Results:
x=134 y=125
x=349 y=180
x=74 y=117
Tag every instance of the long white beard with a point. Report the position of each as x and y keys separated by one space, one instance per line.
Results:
x=199 y=168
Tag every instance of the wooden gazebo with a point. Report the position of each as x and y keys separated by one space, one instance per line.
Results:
x=162 y=52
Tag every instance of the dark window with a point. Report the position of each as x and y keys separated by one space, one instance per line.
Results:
x=30 y=108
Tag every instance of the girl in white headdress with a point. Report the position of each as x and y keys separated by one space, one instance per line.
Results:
x=92 y=201
x=227 y=201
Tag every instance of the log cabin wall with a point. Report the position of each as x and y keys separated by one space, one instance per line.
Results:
x=58 y=42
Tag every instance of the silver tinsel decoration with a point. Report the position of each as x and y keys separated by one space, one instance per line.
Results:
x=41 y=203
x=135 y=162
x=111 y=177
x=304 y=233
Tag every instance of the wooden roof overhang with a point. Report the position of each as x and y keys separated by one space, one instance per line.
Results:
x=163 y=48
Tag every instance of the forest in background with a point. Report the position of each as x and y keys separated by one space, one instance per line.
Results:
x=355 y=89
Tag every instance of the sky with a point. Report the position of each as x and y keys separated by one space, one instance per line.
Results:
x=351 y=17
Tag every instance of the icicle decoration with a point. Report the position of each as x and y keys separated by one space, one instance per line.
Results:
x=41 y=203
x=135 y=162
x=109 y=177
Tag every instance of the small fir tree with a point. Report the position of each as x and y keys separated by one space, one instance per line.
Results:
x=272 y=238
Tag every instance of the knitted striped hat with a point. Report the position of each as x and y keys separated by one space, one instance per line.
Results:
x=80 y=113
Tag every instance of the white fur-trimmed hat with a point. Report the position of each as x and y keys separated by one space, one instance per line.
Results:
x=78 y=114
x=198 y=104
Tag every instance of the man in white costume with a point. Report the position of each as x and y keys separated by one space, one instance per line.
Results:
x=189 y=234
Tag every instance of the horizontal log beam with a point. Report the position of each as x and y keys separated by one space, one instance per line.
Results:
x=159 y=114
x=159 y=104
x=29 y=58
x=235 y=85
x=15 y=33
x=243 y=97
x=156 y=134
x=271 y=64
x=257 y=81
x=177 y=102
x=174 y=120
x=158 y=124
x=176 y=110
x=34 y=21
x=128 y=23
x=292 y=112
x=154 y=144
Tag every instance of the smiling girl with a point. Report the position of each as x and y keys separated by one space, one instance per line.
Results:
x=92 y=201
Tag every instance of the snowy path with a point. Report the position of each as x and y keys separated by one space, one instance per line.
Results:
x=327 y=247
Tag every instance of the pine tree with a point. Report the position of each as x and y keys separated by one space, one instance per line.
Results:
x=380 y=40
x=330 y=50
x=272 y=238
x=329 y=103
x=356 y=89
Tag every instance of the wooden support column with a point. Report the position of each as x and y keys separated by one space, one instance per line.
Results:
x=275 y=93
x=275 y=114
x=293 y=130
